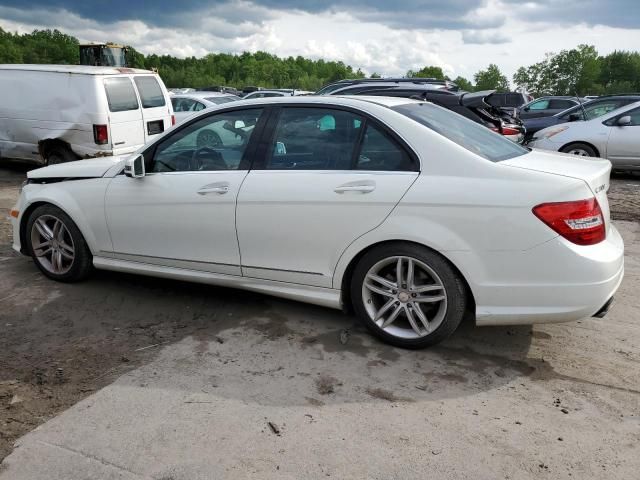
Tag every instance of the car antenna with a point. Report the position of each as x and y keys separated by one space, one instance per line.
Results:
x=584 y=114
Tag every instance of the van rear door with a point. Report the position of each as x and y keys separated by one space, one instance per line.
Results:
x=125 y=115
x=156 y=109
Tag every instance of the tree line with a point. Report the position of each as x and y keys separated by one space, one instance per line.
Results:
x=580 y=71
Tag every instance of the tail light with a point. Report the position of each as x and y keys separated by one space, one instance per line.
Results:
x=173 y=120
x=100 y=134
x=580 y=222
x=510 y=131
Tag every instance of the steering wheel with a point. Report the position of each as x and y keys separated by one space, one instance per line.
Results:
x=208 y=138
x=214 y=160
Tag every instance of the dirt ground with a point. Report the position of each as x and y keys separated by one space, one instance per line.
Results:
x=59 y=343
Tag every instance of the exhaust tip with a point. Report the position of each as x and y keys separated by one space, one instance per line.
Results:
x=604 y=309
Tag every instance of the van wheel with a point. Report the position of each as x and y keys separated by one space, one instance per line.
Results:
x=408 y=295
x=56 y=245
x=58 y=154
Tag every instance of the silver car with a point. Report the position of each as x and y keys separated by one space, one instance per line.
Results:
x=186 y=104
x=614 y=136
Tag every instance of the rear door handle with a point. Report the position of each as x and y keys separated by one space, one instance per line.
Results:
x=366 y=186
x=219 y=187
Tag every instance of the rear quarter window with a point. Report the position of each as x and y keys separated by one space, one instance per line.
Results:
x=120 y=94
x=150 y=92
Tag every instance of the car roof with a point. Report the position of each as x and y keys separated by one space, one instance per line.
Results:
x=344 y=100
x=200 y=94
x=76 y=69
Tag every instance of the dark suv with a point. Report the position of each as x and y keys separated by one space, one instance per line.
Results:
x=350 y=86
x=475 y=106
x=592 y=109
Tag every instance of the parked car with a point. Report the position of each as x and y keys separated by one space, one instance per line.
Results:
x=547 y=106
x=221 y=89
x=475 y=106
x=614 y=136
x=341 y=84
x=399 y=209
x=593 y=109
x=185 y=105
x=59 y=113
x=269 y=93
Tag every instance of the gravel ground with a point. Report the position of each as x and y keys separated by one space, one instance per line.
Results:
x=505 y=390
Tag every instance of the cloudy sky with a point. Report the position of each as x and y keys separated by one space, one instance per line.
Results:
x=384 y=36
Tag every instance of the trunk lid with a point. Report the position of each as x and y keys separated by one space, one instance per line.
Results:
x=595 y=172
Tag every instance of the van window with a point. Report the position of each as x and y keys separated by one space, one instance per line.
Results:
x=150 y=92
x=120 y=94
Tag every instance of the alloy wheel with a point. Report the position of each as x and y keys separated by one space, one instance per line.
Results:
x=52 y=244
x=404 y=297
x=579 y=152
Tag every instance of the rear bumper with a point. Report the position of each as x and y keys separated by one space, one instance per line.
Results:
x=555 y=282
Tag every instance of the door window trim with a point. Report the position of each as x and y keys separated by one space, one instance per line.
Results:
x=264 y=153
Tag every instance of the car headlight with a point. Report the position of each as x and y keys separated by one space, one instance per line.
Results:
x=553 y=131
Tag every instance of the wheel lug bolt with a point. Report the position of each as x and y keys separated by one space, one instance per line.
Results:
x=414 y=295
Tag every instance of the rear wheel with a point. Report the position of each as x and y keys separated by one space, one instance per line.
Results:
x=56 y=245
x=58 y=154
x=580 y=150
x=408 y=295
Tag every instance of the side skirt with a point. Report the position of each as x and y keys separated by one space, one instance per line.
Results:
x=326 y=297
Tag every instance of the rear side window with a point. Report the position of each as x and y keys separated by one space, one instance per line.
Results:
x=561 y=104
x=380 y=153
x=120 y=94
x=470 y=135
x=150 y=92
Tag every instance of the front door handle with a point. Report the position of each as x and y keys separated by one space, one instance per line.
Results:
x=366 y=186
x=219 y=187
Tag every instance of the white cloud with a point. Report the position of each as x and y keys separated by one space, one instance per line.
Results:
x=372 y=45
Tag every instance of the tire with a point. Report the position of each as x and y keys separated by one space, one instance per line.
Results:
x=65 y=257
x=58 y=154
x=580 y=150
x=441 y=303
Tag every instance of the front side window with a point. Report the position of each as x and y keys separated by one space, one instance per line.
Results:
x=474 y=137
x=379 y=152
x=121 y=96
x=539 y=105
x=215 y=142
x=314 y=139
x=150 y=92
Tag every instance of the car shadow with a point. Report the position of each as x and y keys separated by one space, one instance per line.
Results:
x=233 y=343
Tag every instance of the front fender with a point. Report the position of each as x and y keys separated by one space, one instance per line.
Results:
x=82 y=200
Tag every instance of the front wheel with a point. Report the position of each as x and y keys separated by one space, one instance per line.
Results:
x=408 y=295
x=56 y=245
x=580 y=150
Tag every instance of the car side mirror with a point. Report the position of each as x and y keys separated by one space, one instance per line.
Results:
x=623 y=121
x=134 y=166
x=526 y=109
x=574 y=117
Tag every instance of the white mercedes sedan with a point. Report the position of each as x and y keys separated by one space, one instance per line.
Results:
x=401 y=211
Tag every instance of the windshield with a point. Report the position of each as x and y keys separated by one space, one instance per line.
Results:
x=466 y=133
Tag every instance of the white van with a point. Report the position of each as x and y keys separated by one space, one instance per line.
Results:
x=59 y=113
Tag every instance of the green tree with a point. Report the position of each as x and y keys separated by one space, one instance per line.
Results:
x=464 y=84
x=427 y=72
x=491 y=79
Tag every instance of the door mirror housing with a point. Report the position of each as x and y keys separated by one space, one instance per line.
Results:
x=623 y=121
x=526 y=109
x=574 y=117
x=134 y=166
